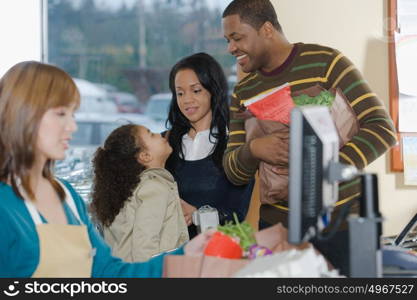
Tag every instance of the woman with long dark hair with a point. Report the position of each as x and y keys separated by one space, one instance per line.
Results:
x=198 y=134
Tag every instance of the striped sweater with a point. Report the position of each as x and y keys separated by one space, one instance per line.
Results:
x=308 y=65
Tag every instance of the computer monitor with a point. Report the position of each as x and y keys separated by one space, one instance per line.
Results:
x=314 y=145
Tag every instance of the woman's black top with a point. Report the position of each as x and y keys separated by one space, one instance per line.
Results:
x=201 y=182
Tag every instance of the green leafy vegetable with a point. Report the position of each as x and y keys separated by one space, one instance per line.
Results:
x=243 y=231
x=324 y=98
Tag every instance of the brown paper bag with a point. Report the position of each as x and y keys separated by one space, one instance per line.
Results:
x=342 y=113
x=177 y=266
x=273 y=179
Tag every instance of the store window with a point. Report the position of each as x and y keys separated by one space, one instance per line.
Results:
x=120 y=52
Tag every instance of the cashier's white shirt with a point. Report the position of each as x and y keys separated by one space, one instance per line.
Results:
x=200 y=147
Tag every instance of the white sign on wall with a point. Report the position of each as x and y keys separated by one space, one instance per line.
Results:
x=20 y=32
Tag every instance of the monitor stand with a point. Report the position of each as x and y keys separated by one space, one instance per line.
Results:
x=365 y=231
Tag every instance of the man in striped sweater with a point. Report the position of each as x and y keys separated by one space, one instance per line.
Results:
x=256 y=39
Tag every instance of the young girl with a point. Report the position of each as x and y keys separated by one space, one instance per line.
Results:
x=135 y=198
x=45 y=230
x=199 y=117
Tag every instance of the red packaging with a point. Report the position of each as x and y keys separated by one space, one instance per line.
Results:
x=274 y=105
x=222 y=245
x=185 y=266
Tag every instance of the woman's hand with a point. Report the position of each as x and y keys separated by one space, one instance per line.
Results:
x=187 y=210
x=196 y=246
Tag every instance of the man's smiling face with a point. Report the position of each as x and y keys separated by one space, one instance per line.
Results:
x=245 y=43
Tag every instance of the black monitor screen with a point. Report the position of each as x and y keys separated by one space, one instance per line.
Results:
x=313 y=145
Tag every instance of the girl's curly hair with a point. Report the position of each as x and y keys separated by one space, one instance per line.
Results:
x=116 y=173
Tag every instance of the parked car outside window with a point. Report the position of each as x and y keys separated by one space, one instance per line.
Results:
x=94 y=98
x=158 y=106
x=127 y=103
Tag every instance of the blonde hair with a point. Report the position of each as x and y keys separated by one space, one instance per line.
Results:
x=27 y=91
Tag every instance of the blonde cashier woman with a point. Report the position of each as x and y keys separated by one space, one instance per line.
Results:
x=44 y=227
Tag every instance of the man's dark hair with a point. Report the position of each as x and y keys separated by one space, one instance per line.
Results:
x=253 y=12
